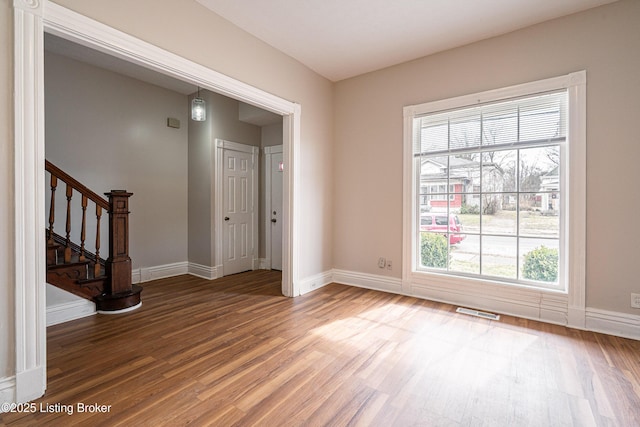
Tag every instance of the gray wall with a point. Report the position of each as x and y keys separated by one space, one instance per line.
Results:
x=110 y=131
x=604 y=41
x=221 y=122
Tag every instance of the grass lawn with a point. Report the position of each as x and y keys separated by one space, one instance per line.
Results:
x=531 y=223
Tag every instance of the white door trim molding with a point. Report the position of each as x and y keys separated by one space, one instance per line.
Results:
x=30 y=258
x=218 y=197
x=31 y=19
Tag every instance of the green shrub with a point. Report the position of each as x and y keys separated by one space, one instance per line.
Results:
x=469 y=209
x=433 y=250
x=541 y=264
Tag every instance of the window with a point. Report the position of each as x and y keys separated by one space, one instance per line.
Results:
x=495 y=173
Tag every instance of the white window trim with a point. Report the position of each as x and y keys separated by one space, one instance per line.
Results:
x=561 y=307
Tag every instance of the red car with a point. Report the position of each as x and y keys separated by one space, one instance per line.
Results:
x=437 y=222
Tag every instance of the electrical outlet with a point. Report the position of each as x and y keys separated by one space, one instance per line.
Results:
x=382 y=262
x=635 y=300
x=388 y=264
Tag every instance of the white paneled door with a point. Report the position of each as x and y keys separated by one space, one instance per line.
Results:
x=238 y=210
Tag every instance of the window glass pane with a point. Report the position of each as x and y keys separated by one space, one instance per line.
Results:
x=433 y=250
x=499 y=170
x=540 y=222
x=539 y=260
x=538 y=169
x=469 y=219
x=465 y=256
x=503 y=221
x=499 y=256
x=464 y=172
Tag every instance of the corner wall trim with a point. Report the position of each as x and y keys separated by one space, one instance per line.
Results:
x=203 y=271
x=315 y=282
x=30 y=384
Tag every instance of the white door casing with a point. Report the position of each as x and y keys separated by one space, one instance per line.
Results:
x=235 y=181
x=273 y=210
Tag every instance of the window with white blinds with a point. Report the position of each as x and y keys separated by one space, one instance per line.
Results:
x=493 y=173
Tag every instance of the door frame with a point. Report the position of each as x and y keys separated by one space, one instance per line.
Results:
x=268 y=151
x=32 y=18
x=218 y=211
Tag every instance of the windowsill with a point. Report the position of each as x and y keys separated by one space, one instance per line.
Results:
x=421 y=278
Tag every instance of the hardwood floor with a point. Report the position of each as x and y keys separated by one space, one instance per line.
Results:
x=236 y=352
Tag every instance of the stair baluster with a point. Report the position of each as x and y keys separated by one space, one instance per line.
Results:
x=52 y=209
x=67 y=248
x=96 y=267
x=83 y=232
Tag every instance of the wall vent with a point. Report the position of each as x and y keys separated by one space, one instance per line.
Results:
x=477 y=313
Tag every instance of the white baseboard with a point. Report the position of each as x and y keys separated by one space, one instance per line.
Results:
x=203 y=271
x=368 y=281
x=146 y=274
x=524 y=303
x=7 y=390
x=315 y=282
x=613 y=323
x=61 y=313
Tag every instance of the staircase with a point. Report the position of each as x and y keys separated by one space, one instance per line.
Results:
x=71 y=266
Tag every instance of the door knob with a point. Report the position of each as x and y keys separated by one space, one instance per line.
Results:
x=274 y=220
x=226 y=218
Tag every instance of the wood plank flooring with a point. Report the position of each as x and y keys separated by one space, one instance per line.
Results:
x=236 y=352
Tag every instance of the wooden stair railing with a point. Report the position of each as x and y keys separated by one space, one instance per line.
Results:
x=72 y=267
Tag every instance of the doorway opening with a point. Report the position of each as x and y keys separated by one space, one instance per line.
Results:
x=31 y=21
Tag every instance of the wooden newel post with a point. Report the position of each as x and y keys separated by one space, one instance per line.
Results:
x=118 y=264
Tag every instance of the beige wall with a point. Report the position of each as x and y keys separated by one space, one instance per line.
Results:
x=221 y=122
x=368 y=137
x=7 y=361
x=110 y=131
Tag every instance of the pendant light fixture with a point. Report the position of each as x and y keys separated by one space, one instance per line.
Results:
x=198 y=108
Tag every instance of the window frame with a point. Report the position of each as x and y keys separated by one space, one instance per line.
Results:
x=512 y=150
x=573 y=236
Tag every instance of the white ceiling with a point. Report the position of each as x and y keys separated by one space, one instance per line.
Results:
x=344 y=38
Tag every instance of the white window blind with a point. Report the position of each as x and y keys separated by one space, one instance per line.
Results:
x=530 y=121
